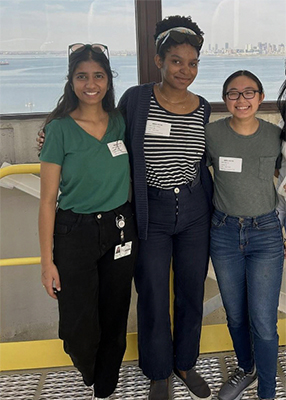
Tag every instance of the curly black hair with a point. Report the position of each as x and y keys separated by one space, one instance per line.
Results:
x=173 y=22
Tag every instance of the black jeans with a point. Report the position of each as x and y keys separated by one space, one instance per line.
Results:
x=95 y=292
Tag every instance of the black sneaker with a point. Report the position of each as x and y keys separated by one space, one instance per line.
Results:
x=237 y=383
x=196 y=385
x=160 y=390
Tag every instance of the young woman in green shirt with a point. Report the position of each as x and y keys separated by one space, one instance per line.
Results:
x=87 y=234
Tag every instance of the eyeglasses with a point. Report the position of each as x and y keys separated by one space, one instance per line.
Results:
x=180 y=37
x=247 y=94
x=95 y=47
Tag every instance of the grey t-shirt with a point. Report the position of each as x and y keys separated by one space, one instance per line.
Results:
x=243 y=168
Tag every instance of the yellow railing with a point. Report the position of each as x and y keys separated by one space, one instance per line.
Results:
x=20 y=169
x=12 y=170
x=8 y=262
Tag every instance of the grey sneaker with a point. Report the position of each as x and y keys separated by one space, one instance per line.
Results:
x=237 y=383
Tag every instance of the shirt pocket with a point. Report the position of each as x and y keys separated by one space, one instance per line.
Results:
x=266 y=167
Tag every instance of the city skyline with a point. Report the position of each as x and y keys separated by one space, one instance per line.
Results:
x=248 y=48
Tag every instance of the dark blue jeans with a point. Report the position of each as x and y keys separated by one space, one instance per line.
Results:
x=179 y=222
x=95 y=295
x=247 y=255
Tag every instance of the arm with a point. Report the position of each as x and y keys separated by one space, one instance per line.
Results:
x=50 y=178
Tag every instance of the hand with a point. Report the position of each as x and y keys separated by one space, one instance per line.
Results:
x=40 y=139
x=51 y=279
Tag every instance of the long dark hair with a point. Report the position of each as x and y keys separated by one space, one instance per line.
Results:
x=68 y=102
x=174 y=22
x=241 y=72
x=281 y=104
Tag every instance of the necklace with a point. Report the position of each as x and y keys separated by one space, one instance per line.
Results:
x=173 y=102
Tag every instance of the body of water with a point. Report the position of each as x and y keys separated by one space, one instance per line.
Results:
x=35 y=83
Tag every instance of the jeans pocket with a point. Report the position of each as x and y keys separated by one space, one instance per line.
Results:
x=62 y=229
x=217 y=220
x=269 y=222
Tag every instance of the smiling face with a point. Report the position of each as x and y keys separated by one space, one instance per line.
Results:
x=243 y=108
x=179 y=67
x=90 y=83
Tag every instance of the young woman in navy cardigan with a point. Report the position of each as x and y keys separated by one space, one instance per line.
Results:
x=172 y=191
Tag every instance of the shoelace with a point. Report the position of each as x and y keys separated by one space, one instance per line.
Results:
x=237 y=377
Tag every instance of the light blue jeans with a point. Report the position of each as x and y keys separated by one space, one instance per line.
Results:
x=247 y=255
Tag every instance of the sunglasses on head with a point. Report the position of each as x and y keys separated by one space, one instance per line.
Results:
x=95 y=47
x=181 y=37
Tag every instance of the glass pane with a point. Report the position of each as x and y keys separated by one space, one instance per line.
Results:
x=239 y=34
x=33 y=47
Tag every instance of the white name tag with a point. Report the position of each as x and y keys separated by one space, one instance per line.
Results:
x=117 y=148
x=158 y=128
x=230 y=164
x=122 y=251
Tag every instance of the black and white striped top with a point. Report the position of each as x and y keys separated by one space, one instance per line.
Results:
x=173 y=144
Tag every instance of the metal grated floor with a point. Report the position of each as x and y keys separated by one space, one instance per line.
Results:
x=66 y=383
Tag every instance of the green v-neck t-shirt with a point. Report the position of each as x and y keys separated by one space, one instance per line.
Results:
x=95 y=174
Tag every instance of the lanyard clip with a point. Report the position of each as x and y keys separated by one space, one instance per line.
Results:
x=120 y=221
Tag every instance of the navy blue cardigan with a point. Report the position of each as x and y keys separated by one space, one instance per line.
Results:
x=134 y=106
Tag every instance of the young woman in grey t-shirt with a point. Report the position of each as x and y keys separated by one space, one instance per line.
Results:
x=246 y=237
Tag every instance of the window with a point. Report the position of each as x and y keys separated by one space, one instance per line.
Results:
x=239 y=34
x=34 y=39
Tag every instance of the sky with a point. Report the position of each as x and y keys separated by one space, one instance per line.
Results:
x=54 y=24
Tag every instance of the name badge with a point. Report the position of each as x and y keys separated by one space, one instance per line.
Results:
x=158 y=128
x=230 y=164
x=122 y=251
x=117 y=148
